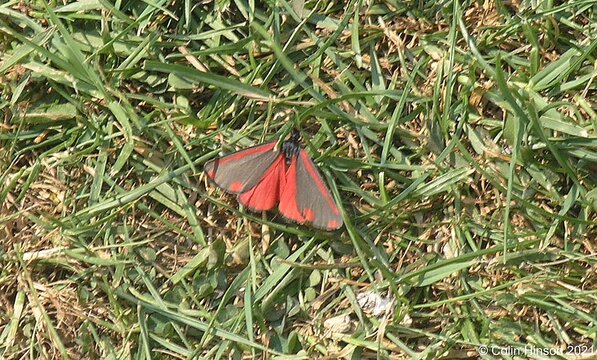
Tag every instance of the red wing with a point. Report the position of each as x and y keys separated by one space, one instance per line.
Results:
x=266 y=193
x=306 y=198
x=241 y=171
x=288 y=199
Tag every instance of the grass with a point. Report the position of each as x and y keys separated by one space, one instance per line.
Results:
x=459 y=137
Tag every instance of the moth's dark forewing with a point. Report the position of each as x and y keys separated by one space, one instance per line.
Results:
x=313 y=197
x=240 y=171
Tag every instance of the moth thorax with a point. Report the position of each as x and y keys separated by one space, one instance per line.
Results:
x=291 y=149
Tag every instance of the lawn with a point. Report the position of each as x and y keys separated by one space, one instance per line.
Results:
x=459 y=138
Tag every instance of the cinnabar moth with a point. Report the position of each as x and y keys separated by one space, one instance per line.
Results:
x=264 y=176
